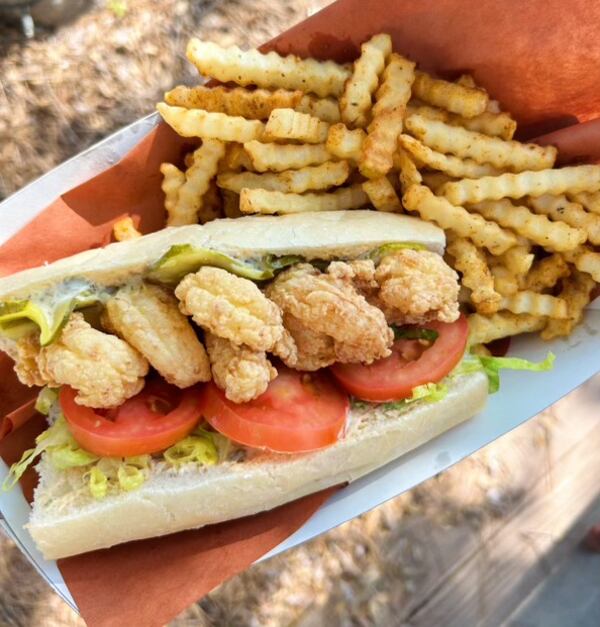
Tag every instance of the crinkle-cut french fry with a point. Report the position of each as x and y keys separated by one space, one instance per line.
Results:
x=382 y=194
x=355 y=101
x=485 y=329
x=505 y=282
x=173 y=179
x=324 y=176
x=517 y=259
x=280 y=157
x=554 y=236
x=326 y=109
x=476 y=275
x=409 y=175
x=231 y=204
x=528 y=302
x=435 y=180
x=457 y=219
x=576 y=291
x=589 y=200
x=236 y=158
x=263 y=201
x=388 y=112
x=585 y=260
x=548 y=181
x=199 y=123
x=254 y=104
x=560 y=209
x=188 y=160
x=290 y=124
x=454 y=166
x=546 y=273
x=270 y=70
x=125 y=229
x=212 y=204
x=494 y=124
x=344 y=143
x=481 y=148
x=186 y=207
x=465 y=101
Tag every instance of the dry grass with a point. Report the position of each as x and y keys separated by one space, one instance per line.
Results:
x=61 y=94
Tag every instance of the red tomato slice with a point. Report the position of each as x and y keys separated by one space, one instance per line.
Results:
x=156 y=418
x=409 y=365
x=298 y=412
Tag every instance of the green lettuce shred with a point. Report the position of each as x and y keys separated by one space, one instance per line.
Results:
x=97 y=483
x=492 y=366
x=45 y=399
x=197 y=448
x=428 y=392
x=415 y=333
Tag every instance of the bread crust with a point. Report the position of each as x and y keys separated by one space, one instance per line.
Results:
x=171 y=502
x=318 y=235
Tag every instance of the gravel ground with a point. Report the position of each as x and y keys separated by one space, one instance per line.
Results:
x=65 y=91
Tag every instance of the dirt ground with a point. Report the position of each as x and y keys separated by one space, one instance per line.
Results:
x=65 y=91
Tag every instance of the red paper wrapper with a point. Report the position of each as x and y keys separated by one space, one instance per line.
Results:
x=541 y=59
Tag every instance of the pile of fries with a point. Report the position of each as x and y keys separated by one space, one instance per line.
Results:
x=316 y=135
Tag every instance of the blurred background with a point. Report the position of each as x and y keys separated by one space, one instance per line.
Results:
x=495 y=540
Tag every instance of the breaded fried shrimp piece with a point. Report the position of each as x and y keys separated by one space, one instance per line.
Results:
x=416 y=286
x=242 y=373
x=230 y=307
x=325 y=303
x=24 y=352
x=104 y=369
x=148 y=318
x=314 y=350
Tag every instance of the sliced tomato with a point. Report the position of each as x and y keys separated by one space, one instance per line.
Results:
x=156 y=418
x=410 y=364
x=298 y=412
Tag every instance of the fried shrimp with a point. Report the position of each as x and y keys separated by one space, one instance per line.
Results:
x=328 y=319
x=230 y=307
x=25 y=352
x=148 y=318
x=104 y=369
x=416 y=287
x=242 y=373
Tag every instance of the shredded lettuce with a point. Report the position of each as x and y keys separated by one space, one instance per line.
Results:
x=492 y=366
x=415 y=333
x=428 y=392
x=130 y=477
x=45 y=399
x=197 y=448
x=70 y=455
x=97 y=483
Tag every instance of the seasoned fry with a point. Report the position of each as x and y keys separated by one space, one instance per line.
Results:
x=484 y=329
x=505 y=282
x=388 y=112
x=355 y=102
x=253 y=105
x=481 y=148
x=437 y=209
x=173 y=179
x=585 y=261
x=465 y=101
x=589 y=200
x=535 y=304
x=409 y=175
x=576 y=292
x=453 y=166
x=263 y=201
x=322 y=176
x=546 y=273
x=199 y=123
x=236 y=158
x=190 y=195
x=344 y=143
x=231 y=204
x=241 y=372
x=212 y=204
x=517 y=259
x=290 y=124
x=382 y=194
x=280 y=157
x=555 y=236
x=326 y=109
x=560 y=209
x=124 y=230
x=435 y=180
x=559 y=181
x=251 y=67
x=476 y=275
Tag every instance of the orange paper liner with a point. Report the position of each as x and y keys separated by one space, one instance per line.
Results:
x=541 y=59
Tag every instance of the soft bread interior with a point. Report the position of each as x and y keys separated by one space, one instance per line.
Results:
x=64 y=524
x=318 y=235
